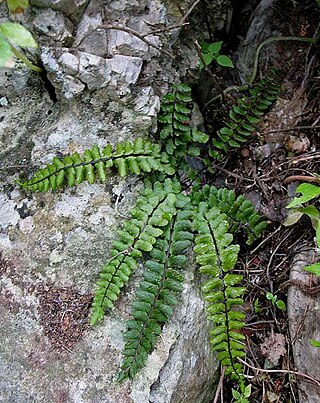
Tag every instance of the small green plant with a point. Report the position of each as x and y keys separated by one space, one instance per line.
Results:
x=275 y=301
x=211 y=52
x=13 y=35
x=242 y=397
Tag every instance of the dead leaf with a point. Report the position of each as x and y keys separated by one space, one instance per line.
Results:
x=274 y=347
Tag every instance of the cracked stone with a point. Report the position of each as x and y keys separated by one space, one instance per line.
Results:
x=128 y=68
x=54 y=24
x=94 y=71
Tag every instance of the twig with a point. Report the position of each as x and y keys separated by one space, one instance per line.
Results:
x=266 y=239
x=270 y=40
x=165 y=29
x=230 y=173
x=220 y=384
x=186 y=16
x=283 y=371
x=291 y=129
x=136 y=34
x=301 y=178
x=275 y=251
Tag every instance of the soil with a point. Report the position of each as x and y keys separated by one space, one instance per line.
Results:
x=283 y=152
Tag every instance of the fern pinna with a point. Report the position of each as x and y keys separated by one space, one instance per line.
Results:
x=166 y=220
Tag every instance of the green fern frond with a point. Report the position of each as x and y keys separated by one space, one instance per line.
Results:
x=245 y=114
x=179 y=137
x=239 y=210
x=127 y=157
x=217 y=256
x=157 y=294
x=153 y=212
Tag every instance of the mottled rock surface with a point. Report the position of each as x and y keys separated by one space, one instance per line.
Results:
x=104 y=88
x=304 y=319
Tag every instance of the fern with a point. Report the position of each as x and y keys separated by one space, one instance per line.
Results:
x=153 y=211
x=156 y=296
x=139 y=156
x=240 y=211
x=245 y=114
x=180 y=138
x=217 y=256
x=164 y=222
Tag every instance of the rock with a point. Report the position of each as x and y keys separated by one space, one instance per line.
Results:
x=55 y=25
x=71 y=8
x=127 y=69
x=190 y=373
x=304 y=320
x=69 y=63
x=88 y=38
x=93 y=70
x=146 y=102
x=125 y=44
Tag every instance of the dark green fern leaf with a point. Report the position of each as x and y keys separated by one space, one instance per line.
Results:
x=176 y=131
x=153 y=212
x=128 y=157
x=245 y=115
x=217 y=256
x=240 y=211
x=157 y=294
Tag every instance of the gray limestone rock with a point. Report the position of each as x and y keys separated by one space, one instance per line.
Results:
x=54 y=25
x=71 y=8
x=93 y=70
x=125 y=68
x=90 y=39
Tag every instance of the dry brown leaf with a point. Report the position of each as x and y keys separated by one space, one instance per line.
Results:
x=274 y=347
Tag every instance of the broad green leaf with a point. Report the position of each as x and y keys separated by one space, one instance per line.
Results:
x=308 y=192
x=225 y=61
x=18 y=35
x=6 y=55
x=17 y=6
x=215 y=47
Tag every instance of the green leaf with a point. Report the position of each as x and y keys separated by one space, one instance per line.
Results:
x=215 y=47
x=315 y=343
x=207 y=58
x=225 y=61
x=18 y=35
x=6 y=55
x=308 y=192
x=199 y=136
x=314 y=268
x=271 y=297
x=281 y=305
